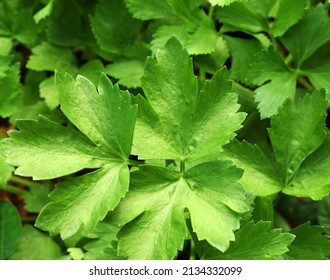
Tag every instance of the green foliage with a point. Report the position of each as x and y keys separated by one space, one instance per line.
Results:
x=33 y=245
x=255 y=241
x=197 y=127
x=10 y=228
x=300 y=161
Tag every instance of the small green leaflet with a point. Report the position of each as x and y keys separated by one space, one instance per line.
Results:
x=242 y=53
x=128 y=72
x=309 y=244
x=34 y=245
x=260 y=176
x=103 y=246
x=5 y=171
x=253 y=16
x=304 y=38
x=255 y=241
x=10 y=88
x=17 y=22
x=10 y=229
x=113 y=26
x=302 y=159
x=323 y=215
x=222 y=2
x=295 y=140
x=150 y=9
x=44 y=149
x=49 y=57
x=68 y=24
x=182 y=18
x=282 y=81
x=37 y=197
x=44 y=12
x=312 y=179
x=176 y=120
x=154 y=209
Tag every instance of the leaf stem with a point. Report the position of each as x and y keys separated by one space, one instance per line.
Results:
x=192 y=253
x=305 y=83
x=133 y=162
x=327 y=4
x=288 y=59
x=211 y=12
x=274 y=42
x=28 y=219
x=182 y=166
x=202 y=75
x=22 y=181
x=12 y=189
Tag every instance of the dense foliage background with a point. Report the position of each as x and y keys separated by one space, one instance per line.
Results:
x=271 y=202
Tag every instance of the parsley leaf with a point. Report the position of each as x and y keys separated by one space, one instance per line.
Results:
x=176 y=121
x=10 y=229
x=309 y=244
x=304 y=38
x=113 y=26
x=210 y=193
x=104 y=145
x=301 y=165
x=10 y=87
x=255 y=241
x=33 y=245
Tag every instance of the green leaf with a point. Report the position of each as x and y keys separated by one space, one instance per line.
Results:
x=5 y=171
x=76 y=253
x=113 y=26
x=269 y=67
x=17 y=23
x=68 y=24
x=92 y=70
x=289 y=13
x=191 y=40
x=44 y=12
x=128 y=72
x=212 y=62
x=272 y=95
x=154 y=209
x=222 y=2
x=253 y=16
x=100 y=115
x=250 y=16
x=255 y=241
x=312 y=179
x=104 y=246
x=263 y=209
x=310 y=33
x=319 y=77
x=295 y=140
x=6 y=44
x=309 y=244
x=323 y=214
x=150 y=9
x=33 y=111
x=96 y=192
x=49 y=57
x=47 y=90
x=10 y=229
x=243 y=55
x=259 y=176
x=179 y=122
x=45 y=150
x=60 y=150
x=34 y=245
x=37 y=197
x=10 y=90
